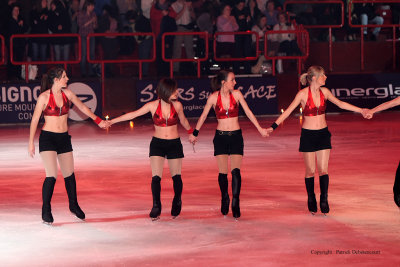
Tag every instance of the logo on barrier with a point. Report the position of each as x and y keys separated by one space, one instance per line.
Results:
x=88 y=97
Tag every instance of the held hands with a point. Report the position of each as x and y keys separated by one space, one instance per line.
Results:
x=192 y=139
x=102 y=124
x=367 y=113
x=264 y=132
x=270 y=130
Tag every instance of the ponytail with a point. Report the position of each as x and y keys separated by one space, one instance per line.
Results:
x=45 y=83
x=303 y=79
x=48 y=78
x=306 y=78
x=216 y=81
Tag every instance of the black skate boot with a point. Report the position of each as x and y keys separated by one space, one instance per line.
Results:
x=236 y=185
x=311 y=202
x=155 y=190
x=70 y=186
x=47 y=193
x=323 y=184
x=177 y=201
x=223 y=186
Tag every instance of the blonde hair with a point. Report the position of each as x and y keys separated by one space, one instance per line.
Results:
x=312 y=71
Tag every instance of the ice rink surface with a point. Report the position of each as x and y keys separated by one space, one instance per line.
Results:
x=113 y=181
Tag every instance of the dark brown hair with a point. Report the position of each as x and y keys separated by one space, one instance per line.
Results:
x=165 y=88
x=48 y=78
x=86 y=4
x=216 y=81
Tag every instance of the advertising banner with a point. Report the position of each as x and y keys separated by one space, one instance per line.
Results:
x=259 y=92
x=363 y=90
x=18 y=101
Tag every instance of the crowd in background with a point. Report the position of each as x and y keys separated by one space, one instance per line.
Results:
x=159 y=16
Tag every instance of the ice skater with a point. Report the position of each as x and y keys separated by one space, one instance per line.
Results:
x=54 y=141
x=166 y=143
x=228 y=139
x=315 y=139
x=390 y=104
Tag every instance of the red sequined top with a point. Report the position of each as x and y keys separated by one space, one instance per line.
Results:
x=53 y=110
x=231 y=112
x=160 y=121
x=310 y=109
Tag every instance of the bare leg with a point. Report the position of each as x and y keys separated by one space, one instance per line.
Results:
x=49 y=159
x=66 y=162
x=157 y=165
x=236 y=161
x=222 y=161
x=309 y=161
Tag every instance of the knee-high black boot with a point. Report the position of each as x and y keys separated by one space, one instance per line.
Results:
x=47 y=193
x=70 y=185
x=396 y=187
x=177 y=201
x=156 y=190
x=236 y=184
x=312 y=202
x=223 y=186
x=323 y=184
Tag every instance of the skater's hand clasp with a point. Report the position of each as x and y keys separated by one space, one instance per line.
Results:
x=192 y=139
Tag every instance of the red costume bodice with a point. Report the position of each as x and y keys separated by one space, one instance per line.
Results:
x=310 y=109
x=231 y=112
x=53 y=110
x=160 y=121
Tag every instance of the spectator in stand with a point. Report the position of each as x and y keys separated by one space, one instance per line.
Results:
x=162 y=19
x=139 y=23
x=260 y=28
x=368 y=15
x=39 y=25
x=254 y=12
x=108 y=24
x=205 y=23
x=184 y=21
x=87 y=22
x=73 y=11
x=287 y=43
x=226 y=43
x=125 y=6
x=261 y=4
x=15 y=25
x=145 y=6
x=271 y=13
x=242 y=42
x=59 y=22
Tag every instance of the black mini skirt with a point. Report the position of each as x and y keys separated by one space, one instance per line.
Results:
x=228 y=143
x=314 y=140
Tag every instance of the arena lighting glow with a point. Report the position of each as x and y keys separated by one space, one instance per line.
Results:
x=107 y=117
x=131 y=124
x=282 y=110
x=301 y=110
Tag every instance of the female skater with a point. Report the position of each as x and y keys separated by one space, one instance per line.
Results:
x=228 y=140
x=165 y=142
x=54 y=140
x=390 y=104
x=315 y=140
